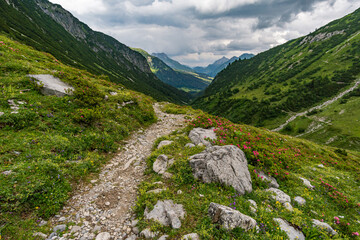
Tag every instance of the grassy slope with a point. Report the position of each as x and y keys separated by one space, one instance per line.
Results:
x=288 y=78
x=54 y=142
x=284 y=157
x=96 y=52
x=186 y=81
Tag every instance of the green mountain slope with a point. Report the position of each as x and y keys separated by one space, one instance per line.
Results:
x=53 y=142
x=216 y=67
x=267 y=89
x=172 y=63
x=50 y=28
x=189 y=82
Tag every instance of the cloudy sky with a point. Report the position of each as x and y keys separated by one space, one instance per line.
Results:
x=198 y=32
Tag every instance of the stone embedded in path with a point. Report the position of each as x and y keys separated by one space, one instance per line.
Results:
x=230 y=218
x=103 y=236
x=164 y=143
x=59 y=228
x=224 y=164
x=51 y=85
x=307 y=183
x=191 y=236
x=292 y=233
x=167 y=213
x=198 y=135
x=324 y=226
x=271 y=180
x=162 y=163
x=299 y=200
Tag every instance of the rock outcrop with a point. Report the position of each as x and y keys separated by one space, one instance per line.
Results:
x=162 y=163
x=198 y=135
x=230 y=218
x=51 y=85
x=292 y=233
x=166 y=213
x=225 y=164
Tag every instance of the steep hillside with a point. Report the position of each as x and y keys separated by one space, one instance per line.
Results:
x=189 y=82
x=219 y=65
x=48 y=143
x=267 y=89
x=172 y=63
x=50 y=28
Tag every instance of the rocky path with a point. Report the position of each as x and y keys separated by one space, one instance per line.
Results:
x=340 y=95
x=103 y=209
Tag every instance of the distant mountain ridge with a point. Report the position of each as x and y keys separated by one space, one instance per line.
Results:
x=213 y=69
x=269 y=88
x=183 y=80
x=50 y=28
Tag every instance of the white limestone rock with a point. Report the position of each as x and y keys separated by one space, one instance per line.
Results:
x=166 y=213
x=225 y=164
x=292 y=233
x=230 y=218
x=198 y=135
x=52 y=85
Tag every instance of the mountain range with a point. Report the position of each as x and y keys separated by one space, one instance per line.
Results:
x=50 y=28
x=269 y=88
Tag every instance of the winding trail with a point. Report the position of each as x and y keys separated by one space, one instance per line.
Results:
x=340 y=95
x=105 y=205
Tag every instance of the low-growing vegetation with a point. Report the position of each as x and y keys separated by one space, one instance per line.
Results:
x=53 y=142
x=334 y=198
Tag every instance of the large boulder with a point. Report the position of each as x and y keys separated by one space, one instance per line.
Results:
x=51 y=85
x=224 y=164
x=162 y=163
x=230 y=218
x=198 y=135
x=166 y=213
x=292 y=233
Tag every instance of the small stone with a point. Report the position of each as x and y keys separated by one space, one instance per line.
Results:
x=325 y=226
x=299 y=200
x=146 y=233
x=40 y=234
x=201 y=195
x=75 y=229
x=42 y=223
x=162 y=163
x=270 y=180
x=134 y=223
x=1 y=113
x=166 y=213
x=253 y=203
x=7 y=172
x=307 y=183
x=97 y=228
x=163 y=237
x=113 y=93
x=59 y=228
x=288 y=206
x=279 y=195
x=156 y=191
x=292 y=233
x=198 y=135
x=320 y=166
x=103 y=236
x=62 y=219
x=191 y=236
x=136 y=230
x=131 y=237
x=93 y=181
x=179 y=192
x=167 y=175
x=107 y=203
x=164 y=143
x=190 y=145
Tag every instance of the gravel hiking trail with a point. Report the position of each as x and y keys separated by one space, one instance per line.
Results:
x=104 y=207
